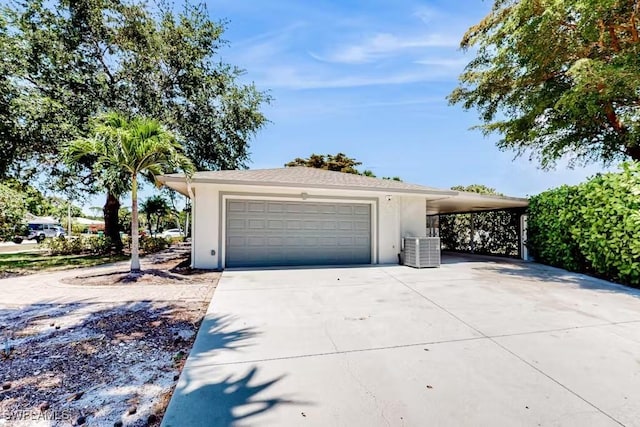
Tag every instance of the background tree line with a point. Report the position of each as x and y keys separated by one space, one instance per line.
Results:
x=339 y=162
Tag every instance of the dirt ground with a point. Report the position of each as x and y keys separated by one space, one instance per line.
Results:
x=101 y=363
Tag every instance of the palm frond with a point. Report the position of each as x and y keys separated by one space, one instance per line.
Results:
x=121 y=148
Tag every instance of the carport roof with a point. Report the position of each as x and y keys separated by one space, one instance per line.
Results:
x=443 y=201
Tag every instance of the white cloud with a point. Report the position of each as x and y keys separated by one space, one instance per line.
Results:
x=270 y=36
x=427 y=14
x=292 y=77
x=382 y=45
x=316 y=106
x=264 y=47
x=455 y=63
x=432 y=100
x=284 y=58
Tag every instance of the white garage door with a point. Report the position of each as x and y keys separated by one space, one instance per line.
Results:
x=272 y=233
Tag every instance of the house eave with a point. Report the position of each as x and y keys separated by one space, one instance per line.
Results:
x=438 y=201
x=166 y=179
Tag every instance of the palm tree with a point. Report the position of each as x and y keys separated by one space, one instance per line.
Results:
x=155 y=206
x=126 y=149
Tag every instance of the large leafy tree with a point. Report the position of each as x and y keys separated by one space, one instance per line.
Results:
x=38 y=204
x=12 y=212
x=124 y=151
x=65 y=61
x=557 y=78
x=35 y=202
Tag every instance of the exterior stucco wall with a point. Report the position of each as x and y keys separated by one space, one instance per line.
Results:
x=392 y=217
x=413 y=218
x=205 y=222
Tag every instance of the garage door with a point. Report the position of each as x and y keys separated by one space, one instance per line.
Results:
x=271 y=233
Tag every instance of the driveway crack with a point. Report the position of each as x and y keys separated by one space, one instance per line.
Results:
x=355 y=377
x=333 y=343
x=367 y=391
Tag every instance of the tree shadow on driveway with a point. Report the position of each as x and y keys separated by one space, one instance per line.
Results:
x=528 y=270
x=545 y=273
x=221 y=394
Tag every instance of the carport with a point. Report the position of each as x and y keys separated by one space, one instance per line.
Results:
x=500 y=232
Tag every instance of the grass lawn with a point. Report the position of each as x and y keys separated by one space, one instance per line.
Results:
x=32 y=262
x=25 y=247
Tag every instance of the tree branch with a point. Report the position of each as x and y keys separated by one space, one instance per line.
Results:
x=612 y=117
x=100 y=54
x=633 y=28
x=42 y=89
x=615 y=42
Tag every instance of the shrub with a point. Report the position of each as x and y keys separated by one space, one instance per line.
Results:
x=593 y=227
x=98 y=245
x=175 y=240
x=607 y=224
x=153 y=244
x=74 y=246
x=63 y=246
x=78 y=228
x=550 y=240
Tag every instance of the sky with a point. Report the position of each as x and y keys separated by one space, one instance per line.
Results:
x=370 y=79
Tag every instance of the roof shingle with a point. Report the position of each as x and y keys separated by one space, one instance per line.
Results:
x=307 y=176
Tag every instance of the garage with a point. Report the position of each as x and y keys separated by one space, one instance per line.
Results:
x=288 y=233
x=307 y=216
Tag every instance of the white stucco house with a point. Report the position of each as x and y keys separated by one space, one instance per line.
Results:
x=307 y=216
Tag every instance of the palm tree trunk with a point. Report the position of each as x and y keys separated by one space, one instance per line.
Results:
x=110 y=215
x=149 y=223
x=135 y=257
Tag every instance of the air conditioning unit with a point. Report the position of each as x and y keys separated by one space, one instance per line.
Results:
x=420 y=252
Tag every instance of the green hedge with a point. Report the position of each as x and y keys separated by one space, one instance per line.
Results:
x=593 y=227
x=97 y=245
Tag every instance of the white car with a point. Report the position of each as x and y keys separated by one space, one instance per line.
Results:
x=39 y=231
x=172 y=232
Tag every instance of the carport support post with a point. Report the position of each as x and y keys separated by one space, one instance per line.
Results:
x=524 y=251
x=472 y=246
x=519 y=231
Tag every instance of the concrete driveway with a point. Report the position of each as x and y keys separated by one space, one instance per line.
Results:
x=474 y=343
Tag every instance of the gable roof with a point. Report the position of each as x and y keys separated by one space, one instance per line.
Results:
x=302 y=176
x=440 y=201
